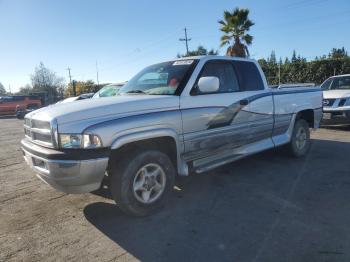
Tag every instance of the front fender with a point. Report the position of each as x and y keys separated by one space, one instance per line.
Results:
x=149 y=133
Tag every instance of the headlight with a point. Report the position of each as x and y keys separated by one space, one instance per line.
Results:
x=70 y=140
x=79 y=141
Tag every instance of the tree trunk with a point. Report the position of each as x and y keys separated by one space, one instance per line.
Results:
x=238 y=49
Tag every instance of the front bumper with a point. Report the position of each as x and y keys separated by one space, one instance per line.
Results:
x=336 y=117
x=70 y=172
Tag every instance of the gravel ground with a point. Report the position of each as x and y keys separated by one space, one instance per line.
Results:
x=263 y=208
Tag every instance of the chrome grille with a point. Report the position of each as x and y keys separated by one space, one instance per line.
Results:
x=342 y=102
x=41 y=137
x=41 y=124
x=38 y=132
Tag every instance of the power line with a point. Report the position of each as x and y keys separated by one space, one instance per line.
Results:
x=131 y=60
x=186 y=40
x=136 y=51
x=304 y=21
x=303 y=3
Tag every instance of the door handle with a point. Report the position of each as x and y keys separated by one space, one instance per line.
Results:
x=244 y=102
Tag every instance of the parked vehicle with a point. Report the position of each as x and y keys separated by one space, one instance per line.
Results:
x=76 y=98
x=9 y=105
x=189 y=114
x=20 y=113
x=336 y=100
x=108 y=90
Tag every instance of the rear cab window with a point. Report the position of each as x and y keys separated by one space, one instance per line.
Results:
x=249 y=76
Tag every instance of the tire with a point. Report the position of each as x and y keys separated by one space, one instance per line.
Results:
x=300 y=141
x=148 y=171
x=21 y=116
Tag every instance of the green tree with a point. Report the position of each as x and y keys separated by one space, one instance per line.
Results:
x=46 y=81
x=25 y=90
x=235 y=26
x=81 y=87
x=338 y=53
x=299 y=70
x=271 y=68
x=2 y=90
x=294 y=57
x=200 y=51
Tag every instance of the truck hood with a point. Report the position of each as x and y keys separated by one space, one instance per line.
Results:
x=105 y=108
x=334 y=94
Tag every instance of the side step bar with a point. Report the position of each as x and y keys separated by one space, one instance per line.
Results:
x=216 y=163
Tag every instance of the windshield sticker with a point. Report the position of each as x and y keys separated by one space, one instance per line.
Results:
x=183 y=62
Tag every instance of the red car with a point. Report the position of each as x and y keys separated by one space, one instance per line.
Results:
x=9 y=105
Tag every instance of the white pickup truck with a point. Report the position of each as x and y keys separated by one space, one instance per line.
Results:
x=191 y=114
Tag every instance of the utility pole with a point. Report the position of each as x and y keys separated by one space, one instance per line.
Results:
x=279 y=73
x=70 y=77
x=74 y=88
x=186 y=39
x=98 y=83
x=10 y=89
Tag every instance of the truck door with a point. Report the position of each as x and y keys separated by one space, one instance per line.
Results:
x=260 y=106
x=215 y=122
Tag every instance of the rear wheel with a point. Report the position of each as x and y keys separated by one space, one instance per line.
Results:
x=300 y=141
x=141 y=185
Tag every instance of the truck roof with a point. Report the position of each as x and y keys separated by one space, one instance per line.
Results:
x=213 y=57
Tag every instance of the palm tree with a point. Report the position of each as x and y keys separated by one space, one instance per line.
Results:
x=235 y=26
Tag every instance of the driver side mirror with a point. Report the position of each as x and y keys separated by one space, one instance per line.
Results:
x=208 y=84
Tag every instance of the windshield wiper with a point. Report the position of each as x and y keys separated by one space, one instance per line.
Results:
x=137 y=91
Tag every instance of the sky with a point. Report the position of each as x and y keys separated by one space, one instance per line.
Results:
x=123 y=36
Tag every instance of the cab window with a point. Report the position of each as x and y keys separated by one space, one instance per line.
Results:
x=249 y=77
x=224 y=71
x=341 y=83
x=327 y=84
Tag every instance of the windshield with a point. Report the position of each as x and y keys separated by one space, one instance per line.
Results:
x=158 y=79
x=339 y=83
x=107 y=91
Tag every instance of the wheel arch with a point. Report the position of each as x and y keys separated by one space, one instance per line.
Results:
x=308 y=115
x=165 y=140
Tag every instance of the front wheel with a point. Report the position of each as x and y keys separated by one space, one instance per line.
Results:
x=300 y=141
x=141 y=185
